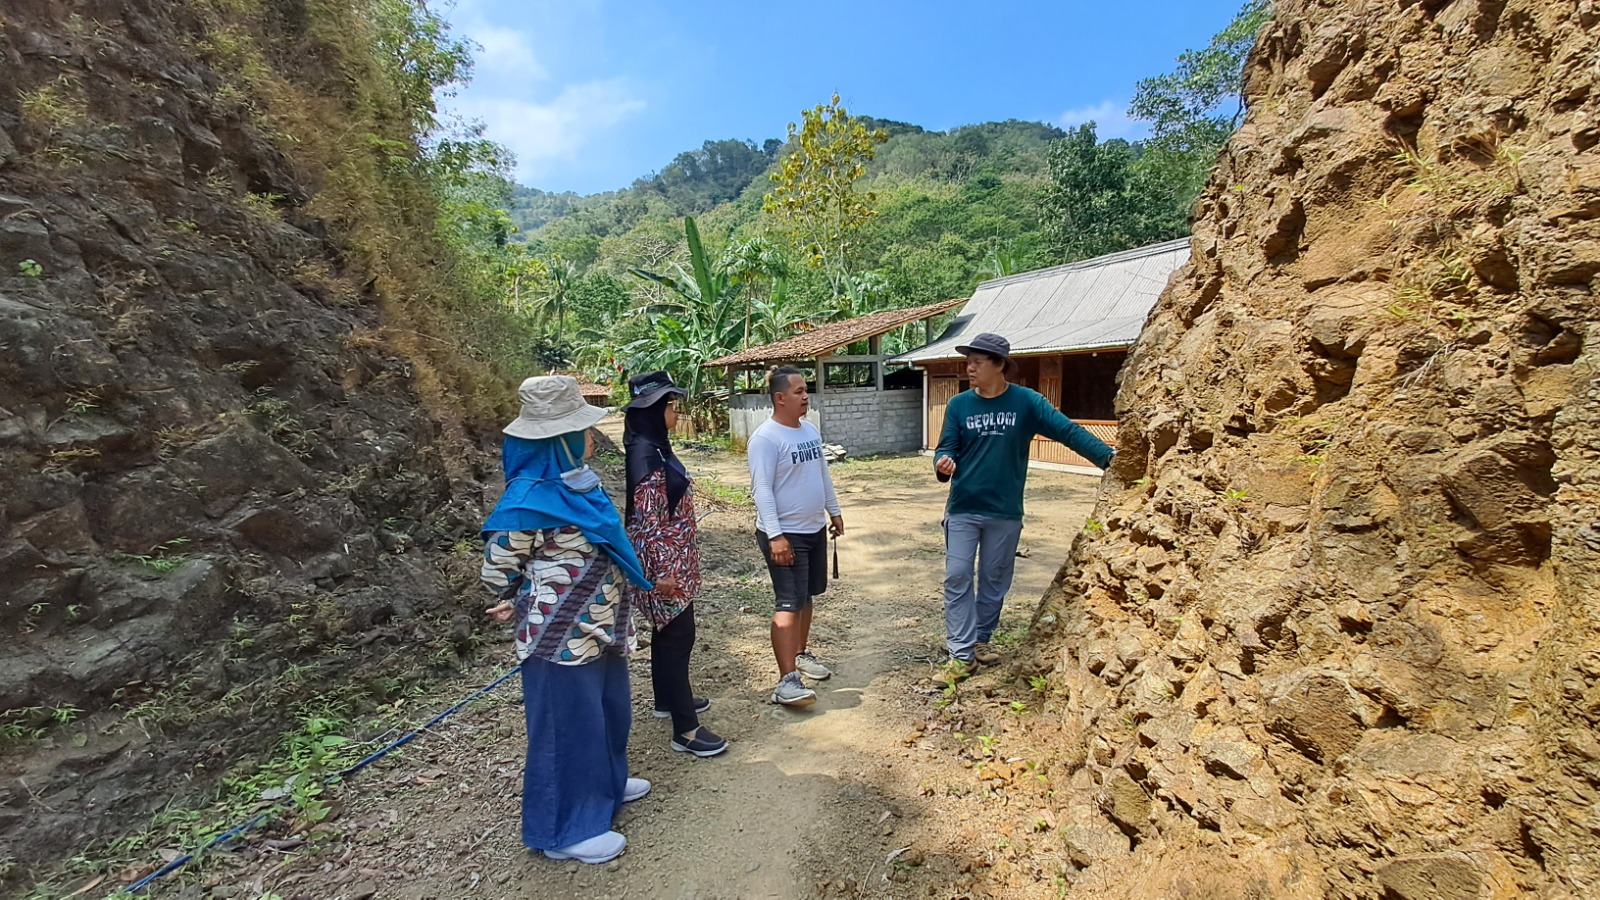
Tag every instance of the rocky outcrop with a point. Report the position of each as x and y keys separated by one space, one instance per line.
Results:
x=218 y=488
x=1339 y=634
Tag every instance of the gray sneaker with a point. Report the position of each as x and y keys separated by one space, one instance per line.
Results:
x=791 y=691
x=809 y=667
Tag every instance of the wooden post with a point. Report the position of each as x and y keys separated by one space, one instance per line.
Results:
x=875 y=346
x=822 y=387
x=926 y=376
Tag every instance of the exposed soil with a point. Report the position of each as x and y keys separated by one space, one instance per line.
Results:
x=804 y=803
x=1338 y=634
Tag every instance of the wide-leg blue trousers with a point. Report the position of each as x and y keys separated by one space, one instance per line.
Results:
x=577 y=767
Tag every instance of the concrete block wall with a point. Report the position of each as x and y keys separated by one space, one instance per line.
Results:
x=866 y=421
x=862 y=420
x=746 y=412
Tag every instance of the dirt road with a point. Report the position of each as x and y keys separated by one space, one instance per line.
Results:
x=804 y=803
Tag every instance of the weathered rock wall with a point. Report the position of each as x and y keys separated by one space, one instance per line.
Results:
x=1340 y=632
x=205 y=443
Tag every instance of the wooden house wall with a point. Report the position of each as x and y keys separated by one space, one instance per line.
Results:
x=1082 y=385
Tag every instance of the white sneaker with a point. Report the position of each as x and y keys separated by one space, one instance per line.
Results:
x=635 y=789
x=809 y=667
x=598 y=849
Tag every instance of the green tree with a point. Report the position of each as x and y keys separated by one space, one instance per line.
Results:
x=814 y=199
x=555 y=298
x=551 y=353
x=524 y=275
x=1194 y=109
x=418 y=59
x=697 y=180
x=1003 y=258
x=1104 y=197
x=1095 y=205
x=754 y=263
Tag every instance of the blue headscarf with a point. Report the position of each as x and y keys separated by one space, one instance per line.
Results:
x=536 y=498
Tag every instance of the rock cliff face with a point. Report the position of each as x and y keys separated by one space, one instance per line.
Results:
x=205 y=440
x=1335 y=628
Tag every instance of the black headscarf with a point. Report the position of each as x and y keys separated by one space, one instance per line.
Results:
x=645 y=441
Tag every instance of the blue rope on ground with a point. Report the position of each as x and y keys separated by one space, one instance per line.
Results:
x=371 y=758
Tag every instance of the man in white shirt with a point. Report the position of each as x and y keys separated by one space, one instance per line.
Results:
x=796 y=508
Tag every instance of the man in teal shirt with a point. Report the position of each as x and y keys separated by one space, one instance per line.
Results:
x=983 y=453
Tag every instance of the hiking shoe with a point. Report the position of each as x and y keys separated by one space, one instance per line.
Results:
x=701 y=704
x=952 y=673
x=809 y=667
x=635 y=789
x=984 y=656
x=598 y=849
x=791 y=691
x=704 y=743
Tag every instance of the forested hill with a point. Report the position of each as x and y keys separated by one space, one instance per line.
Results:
x=949 y=205
x=693 y=183
x=738 y=242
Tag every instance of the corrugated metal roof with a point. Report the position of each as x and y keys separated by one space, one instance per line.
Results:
x=833 y=335
x=1086 y=305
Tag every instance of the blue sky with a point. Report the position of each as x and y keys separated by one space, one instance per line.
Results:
x=591 y=94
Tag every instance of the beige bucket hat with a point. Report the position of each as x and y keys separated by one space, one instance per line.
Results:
x=552 y=405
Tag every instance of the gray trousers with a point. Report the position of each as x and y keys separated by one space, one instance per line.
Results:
x=972 y=611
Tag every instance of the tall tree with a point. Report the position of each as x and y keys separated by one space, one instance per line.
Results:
x=1094 y=204
x=1104 y=197
x=814 y=198
x=560 y=275
x=754 y=262
x=1193 y=109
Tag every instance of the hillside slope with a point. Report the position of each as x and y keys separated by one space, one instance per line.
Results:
x=224 y=505
x=1334 y=631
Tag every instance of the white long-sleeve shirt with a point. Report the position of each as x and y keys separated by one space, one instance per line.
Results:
x=789 y=479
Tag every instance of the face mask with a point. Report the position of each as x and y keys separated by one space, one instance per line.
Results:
x=582 y=480
x=580 y=477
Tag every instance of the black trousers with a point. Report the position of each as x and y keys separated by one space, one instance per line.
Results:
x=669 y=670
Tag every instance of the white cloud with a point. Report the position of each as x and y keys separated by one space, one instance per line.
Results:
x=1110 y=118
x=541 y=133
x=504 y=50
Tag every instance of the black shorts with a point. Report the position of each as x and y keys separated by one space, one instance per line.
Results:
x=795 y=585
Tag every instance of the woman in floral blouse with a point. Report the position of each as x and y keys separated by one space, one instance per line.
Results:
x=661 y=525
x=555 y=556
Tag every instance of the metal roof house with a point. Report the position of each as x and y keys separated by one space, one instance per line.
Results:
x=854 y=402
x=1070 y=329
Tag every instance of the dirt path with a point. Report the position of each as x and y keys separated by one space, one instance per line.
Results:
x=804 y=803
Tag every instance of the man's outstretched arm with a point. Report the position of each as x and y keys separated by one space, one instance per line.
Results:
x=1054 y=424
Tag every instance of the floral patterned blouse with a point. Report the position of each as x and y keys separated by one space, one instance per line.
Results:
x=665 y=542
x=567 y=594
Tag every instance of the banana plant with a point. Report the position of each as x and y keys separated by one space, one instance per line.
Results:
x=698 y=322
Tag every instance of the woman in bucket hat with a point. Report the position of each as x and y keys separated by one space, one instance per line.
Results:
x=661 y=525
x=556 y=556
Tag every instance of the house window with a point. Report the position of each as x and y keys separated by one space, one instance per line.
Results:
x=843 y=375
